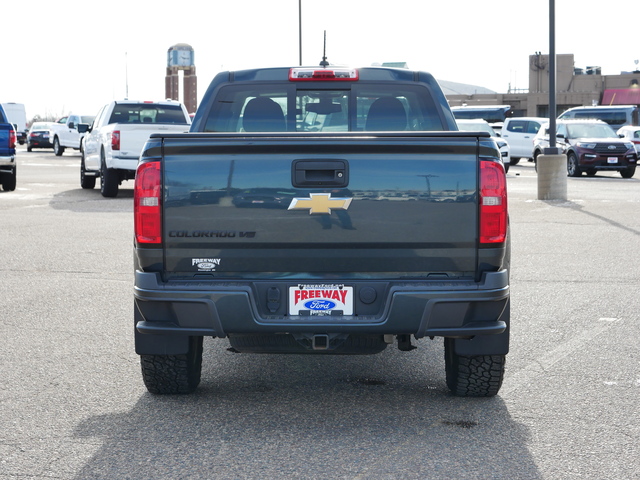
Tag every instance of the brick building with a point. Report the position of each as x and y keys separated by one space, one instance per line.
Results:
x=574 y=87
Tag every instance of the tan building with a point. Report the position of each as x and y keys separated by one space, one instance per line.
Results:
x=574 y=87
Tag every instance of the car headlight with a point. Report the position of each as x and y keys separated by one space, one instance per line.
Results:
x=590 y=146
x=629 y=146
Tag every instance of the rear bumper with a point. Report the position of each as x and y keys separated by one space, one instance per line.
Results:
x=124 y=163
x=7 y=162
x=447 y=309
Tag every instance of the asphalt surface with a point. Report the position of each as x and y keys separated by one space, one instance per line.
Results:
x=73 y=405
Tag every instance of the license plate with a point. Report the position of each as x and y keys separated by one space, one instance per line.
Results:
x=321 y=299
x=612 y=160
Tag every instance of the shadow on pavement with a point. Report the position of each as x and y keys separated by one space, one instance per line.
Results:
x=309 y=417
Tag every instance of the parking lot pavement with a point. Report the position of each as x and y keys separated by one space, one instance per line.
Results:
x=73 y=405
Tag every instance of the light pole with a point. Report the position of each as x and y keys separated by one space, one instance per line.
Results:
x=552 y=149
x=552 y=164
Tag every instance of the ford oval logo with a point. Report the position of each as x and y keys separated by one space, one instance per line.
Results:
x=611 y=147
x=319 y=305
x=206 y=265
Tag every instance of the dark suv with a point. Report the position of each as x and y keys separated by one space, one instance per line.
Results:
x=590 y=145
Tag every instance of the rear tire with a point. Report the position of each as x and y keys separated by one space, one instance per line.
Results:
x=473 y=376
x=173 y=374
x=514 y=161
x=57 y=148
x=9 y=180
x=108 y=180
x=86 y=182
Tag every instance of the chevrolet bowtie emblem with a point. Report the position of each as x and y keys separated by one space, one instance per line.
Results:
x=320 y=203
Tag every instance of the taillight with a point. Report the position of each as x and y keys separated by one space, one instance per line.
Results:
x=147 y=203
x=12 y=139
x=115 y=140
x=493 y=203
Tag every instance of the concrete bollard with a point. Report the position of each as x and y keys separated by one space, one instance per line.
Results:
x=552 y=177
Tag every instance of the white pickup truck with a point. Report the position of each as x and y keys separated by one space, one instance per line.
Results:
x=65 y=134
x=112 y=145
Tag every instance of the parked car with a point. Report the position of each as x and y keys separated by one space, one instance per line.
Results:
x=631 y=134
x=39 y=136
x=479 y=125
x=493 y=114
x=615 y=115
x=519 y=133
x=590 y=146
x=65 y=133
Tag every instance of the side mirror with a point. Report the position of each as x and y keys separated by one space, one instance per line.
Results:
x=83 y=127
x=560 y=135
x=71 y=125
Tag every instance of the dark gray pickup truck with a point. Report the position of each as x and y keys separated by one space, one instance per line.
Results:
x=322 y=211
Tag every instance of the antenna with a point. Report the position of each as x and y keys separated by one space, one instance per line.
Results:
x=126 y=77
x=324 y=62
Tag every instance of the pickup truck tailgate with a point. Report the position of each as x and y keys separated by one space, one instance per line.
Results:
x=133 y=136
x=380 y=206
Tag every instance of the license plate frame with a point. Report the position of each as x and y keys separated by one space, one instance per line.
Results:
x=612 y=159
x=322 y=299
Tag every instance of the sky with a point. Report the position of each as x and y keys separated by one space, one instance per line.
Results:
x=68 y=56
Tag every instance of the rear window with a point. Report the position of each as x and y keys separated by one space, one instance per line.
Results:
x=285 y=108
x=523 y=126
x=147 y=113
x=517 y=126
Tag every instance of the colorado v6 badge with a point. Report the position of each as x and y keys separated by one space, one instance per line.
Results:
x=319 y=203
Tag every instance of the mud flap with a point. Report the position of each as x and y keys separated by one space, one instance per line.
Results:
x=487 y=344
x=149 y=344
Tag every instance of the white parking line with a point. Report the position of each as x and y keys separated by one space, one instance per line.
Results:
x=545 y=363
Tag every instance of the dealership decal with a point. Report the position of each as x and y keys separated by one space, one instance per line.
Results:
x=205 y=264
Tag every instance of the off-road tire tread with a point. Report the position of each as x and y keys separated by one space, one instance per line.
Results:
x=473 y=376
x=173 y=374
